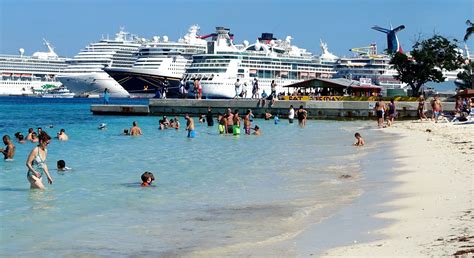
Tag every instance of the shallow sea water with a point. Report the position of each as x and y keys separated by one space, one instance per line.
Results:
x=211 y=191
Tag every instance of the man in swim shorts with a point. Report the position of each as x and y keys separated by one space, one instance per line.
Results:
x=230 y=121
x=190 y=126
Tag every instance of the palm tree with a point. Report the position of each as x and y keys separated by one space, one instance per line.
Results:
x=469 y=30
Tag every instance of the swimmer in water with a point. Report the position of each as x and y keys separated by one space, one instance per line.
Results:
x=61 y=165
x=9 y=150
x=257 y=131
x=135 y=130
x=62 y=136
x=147 y=179
x=360 y=141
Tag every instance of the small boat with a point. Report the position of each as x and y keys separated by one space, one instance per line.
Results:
x=60 y=92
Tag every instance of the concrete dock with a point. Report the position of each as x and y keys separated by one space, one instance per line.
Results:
x=316 y=109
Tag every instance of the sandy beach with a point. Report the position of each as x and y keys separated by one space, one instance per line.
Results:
x=433 y=212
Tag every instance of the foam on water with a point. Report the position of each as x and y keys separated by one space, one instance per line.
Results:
x=211 y=192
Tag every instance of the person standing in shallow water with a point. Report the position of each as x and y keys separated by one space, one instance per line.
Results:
x=291 y=114
x=302 y=115
x=190 y=126
x=9 y=150
x=135 y=130
x=209 y=119
x=247 y=122
x=106 y=96
x=36 y=163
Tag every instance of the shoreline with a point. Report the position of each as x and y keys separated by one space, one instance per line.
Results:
x=431 y=211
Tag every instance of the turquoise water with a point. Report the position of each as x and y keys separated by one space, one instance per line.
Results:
x=211 y=191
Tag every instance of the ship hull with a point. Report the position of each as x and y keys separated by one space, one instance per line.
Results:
x=144 y=81
x=93 y=84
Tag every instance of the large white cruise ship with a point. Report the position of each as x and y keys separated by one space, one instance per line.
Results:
x=268 y=59
x=84 y=74
x=28 y=75
x=159 y=60
x=369 y=67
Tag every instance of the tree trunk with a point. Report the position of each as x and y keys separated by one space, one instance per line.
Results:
x=415 y=90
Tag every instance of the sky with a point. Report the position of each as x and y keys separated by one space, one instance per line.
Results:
x=70 y=25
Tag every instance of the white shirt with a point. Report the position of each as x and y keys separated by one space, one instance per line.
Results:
x=237 y=85
x=291 y=114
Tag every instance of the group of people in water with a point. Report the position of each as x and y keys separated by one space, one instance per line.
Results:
x=36 y=161
x=228 y=123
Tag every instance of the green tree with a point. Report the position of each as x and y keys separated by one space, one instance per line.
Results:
x=466 y=77
x=428 y=58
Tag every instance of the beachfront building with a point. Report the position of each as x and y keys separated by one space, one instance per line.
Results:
x=324 y=87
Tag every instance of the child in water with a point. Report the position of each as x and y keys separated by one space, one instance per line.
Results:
x=360 y=141
x=61 y=165
x=147 y=179
x=257 y=130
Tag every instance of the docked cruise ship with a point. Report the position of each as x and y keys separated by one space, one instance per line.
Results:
x=369 y=67
x=267 y=59
x=28 y=75
x=84 y=74
x=157 y=61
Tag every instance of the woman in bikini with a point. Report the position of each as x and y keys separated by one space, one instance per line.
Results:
x=36 y=163
x=421 y=109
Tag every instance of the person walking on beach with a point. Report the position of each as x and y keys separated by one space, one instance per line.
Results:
x=247 y=121
x=302 y=115
x=380 y=112
x=255 y=88
x=135 y=130
x=237 y=88
x=421 y=109
x=190 y=126
x=392 y=112
x=291 y=114
x=458 y=106
x=9 y=150
x=36 y=163
x=437 y=108
x=209 y=119
x=106 y=96
x=62 y=136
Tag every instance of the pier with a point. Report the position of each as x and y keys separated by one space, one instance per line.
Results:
x=316 y=109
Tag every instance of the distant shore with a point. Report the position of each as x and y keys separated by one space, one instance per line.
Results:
x=432 y=213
